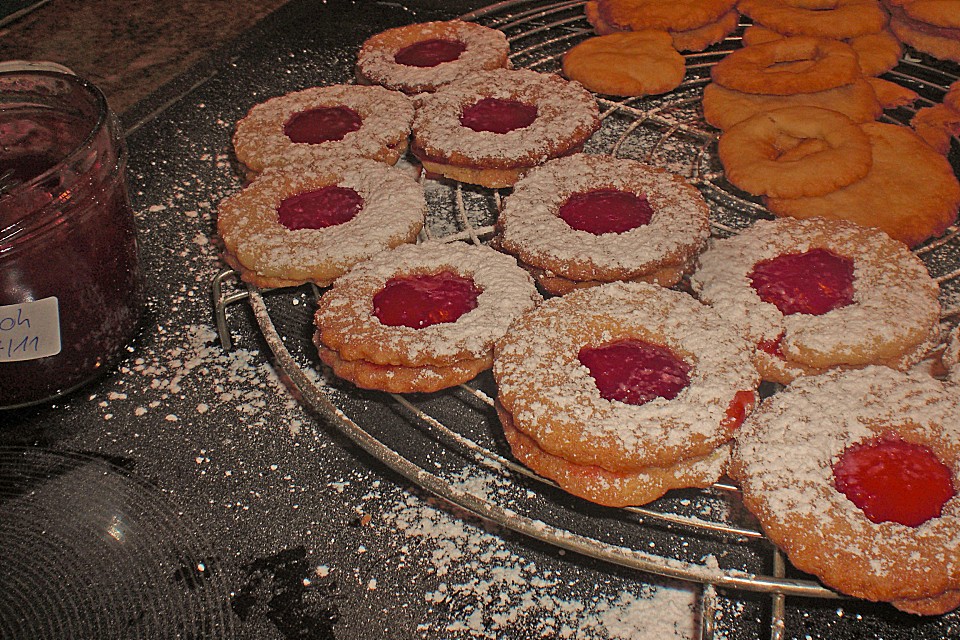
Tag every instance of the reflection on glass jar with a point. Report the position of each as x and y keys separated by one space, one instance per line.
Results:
x=71 y=290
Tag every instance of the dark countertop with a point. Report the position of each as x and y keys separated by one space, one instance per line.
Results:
x=129 y=49
x=239 y=512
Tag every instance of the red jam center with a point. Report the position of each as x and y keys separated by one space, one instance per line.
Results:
x=606 y=211
x=498 y=116
x=429 y=53
x=738 y=410
x=425 y=300
x=322 y=124
x=894 y=481
x=813 y=282
x=324 y=207
x=635 y=371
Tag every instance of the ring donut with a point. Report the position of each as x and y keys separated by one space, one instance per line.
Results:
x=311 y=222
x=421 y=318
x=339 y=120
x=800 y=64
x=795 y=152
x=656 y=222
x=493 y=126
x=837 y=19
x=422 y=57
x=796 y=459
x=816 y=294
x=556 y=394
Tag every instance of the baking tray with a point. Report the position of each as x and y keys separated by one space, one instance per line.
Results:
x=450 y=442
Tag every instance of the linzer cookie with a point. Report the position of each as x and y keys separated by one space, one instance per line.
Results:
x=853 y=474
x=311 y=222
x=619 y=380
x=422 y=57
x=492 y=127
x=422 y=317
x=816 y=294
x=609 y=488
x=587 y=219
x=339 y=120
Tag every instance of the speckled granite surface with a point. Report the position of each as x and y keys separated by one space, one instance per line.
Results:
x=130 y=49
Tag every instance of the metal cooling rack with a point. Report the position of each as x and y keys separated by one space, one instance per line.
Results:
x=449 y=443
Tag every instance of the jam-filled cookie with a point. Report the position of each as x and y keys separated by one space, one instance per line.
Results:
x=422 y=317
x=493 y=126
x=311 y=222
x=816 y=294
x=854 y=475
x=624 y=377
x=421 y=57
x=338 y=120
x=587 y=219
x=610 y=488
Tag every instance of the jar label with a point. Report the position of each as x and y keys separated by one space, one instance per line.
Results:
x=29 y=330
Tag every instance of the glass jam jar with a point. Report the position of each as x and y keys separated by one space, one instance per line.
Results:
x=71 y=290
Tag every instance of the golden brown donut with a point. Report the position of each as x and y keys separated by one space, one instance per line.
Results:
x=877 y=52
x=626 y=63
x=696 y=39
x=939 y=42
x=788 y=66
x=795 y=152
x=938 y=13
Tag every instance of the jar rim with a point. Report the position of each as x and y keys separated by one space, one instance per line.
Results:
x=102 y=111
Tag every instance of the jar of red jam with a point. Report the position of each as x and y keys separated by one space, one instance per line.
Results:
x=71 y=290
